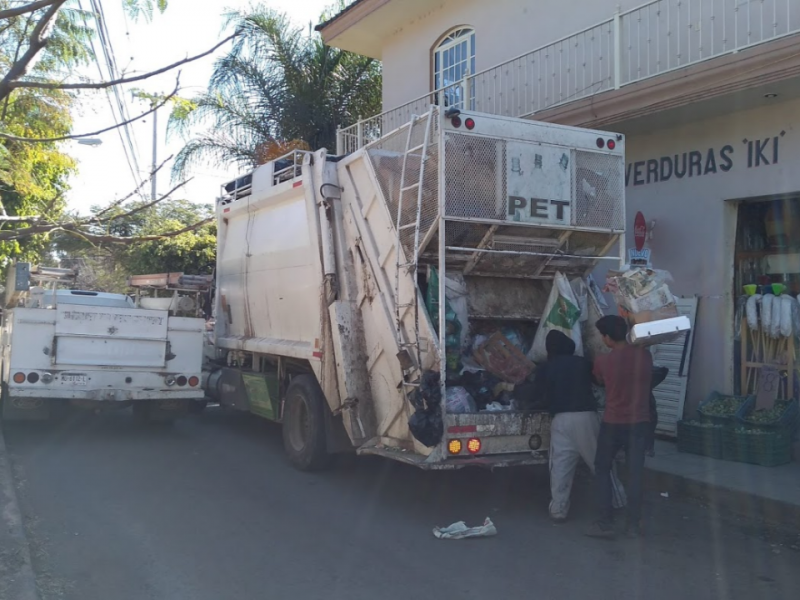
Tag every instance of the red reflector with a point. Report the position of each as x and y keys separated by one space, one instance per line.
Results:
x=470 y=124
x=463 y=429
x=474 y=446
x=611 y=144
x=297 y=184
x=227 y=210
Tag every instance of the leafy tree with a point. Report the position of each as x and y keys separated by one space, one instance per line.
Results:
x=276 y=89
x=110 y=264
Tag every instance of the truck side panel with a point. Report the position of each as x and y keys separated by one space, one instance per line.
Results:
x=268 y=276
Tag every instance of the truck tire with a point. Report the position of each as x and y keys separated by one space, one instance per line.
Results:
x=304 y=425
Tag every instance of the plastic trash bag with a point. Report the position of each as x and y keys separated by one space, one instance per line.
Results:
x=459 y=401
x=426 y=423
x=561 y=313
x=459 y=530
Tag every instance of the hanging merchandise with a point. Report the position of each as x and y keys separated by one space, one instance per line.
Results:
x=561 y=313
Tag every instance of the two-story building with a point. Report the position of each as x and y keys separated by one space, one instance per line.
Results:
x=706 y=91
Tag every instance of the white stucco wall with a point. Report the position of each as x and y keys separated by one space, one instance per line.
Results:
x=695 y=219
x=504 y=29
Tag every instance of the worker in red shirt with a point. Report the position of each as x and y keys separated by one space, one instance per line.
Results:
x=626 y=373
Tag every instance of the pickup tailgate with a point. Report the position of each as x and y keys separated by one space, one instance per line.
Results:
x=113 y=337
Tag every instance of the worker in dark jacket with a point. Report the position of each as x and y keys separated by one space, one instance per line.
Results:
x=563 y=385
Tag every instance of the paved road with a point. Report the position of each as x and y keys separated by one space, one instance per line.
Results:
x=210 y=510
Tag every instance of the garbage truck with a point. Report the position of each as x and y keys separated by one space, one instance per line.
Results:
x=65 y=347
x=384 y=302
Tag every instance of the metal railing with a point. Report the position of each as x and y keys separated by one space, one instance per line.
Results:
x=650 y=40
x=284 y=168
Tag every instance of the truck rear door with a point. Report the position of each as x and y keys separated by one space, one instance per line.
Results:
x=110 y=337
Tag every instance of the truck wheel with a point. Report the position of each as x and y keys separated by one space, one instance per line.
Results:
x=304 y=425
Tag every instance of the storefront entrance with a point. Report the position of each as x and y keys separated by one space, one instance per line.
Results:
x=767 y=284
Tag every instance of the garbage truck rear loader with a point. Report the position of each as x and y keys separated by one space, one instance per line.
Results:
x=383 y=301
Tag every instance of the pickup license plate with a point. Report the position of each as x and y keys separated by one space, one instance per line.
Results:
x=75 y=378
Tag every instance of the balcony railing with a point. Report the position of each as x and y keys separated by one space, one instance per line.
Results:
x=650 y=40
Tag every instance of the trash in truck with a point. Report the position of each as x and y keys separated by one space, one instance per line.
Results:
x=459 y=401
x=501 y=357
x=426 y=423
x=562 y=313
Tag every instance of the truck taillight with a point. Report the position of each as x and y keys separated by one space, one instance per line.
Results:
x=19 y=377
x=455 y=446
x=194 y=381
x=469 y=124
x=474 y=446
x=181 y=381
x=33 y=377
x=611 y=144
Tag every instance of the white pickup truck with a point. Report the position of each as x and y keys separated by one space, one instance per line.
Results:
x=93 y=350
x=324 y=265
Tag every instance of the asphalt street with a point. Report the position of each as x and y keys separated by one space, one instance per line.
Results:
x=209 y=509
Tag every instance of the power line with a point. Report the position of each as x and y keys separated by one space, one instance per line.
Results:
x=111 y=63
x=118 y=109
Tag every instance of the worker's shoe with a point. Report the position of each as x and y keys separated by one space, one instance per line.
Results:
x=558 y=519
x=602 y=530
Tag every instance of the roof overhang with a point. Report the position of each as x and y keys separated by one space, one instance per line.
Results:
x=364 y=25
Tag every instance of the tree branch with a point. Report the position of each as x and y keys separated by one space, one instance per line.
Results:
x=138 y=188
x=38 y=40
x=105 y=84
x=27 y=8
x=15 y=138
x=135 y=209
x=112 y=239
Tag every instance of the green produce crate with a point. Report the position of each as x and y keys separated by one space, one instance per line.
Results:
x=785 y=421
x=709 y=412
x=757 y=446
x=700 y=438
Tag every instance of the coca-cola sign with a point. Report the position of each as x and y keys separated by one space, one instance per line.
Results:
x=639 y=231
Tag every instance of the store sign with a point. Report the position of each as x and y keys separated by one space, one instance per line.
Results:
x=639 y=258
x=539 y=184
x=639 y=230
x=696 y=163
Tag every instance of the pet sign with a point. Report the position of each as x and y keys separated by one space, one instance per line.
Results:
x=539 y=179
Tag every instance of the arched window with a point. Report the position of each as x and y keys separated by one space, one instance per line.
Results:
x=453 y=60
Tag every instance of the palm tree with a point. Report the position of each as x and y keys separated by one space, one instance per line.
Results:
x=277 y=89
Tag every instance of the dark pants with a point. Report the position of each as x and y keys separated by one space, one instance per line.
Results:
x=634 y=440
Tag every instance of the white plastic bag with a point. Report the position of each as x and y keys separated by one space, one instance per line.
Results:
x=458 y=531
x=561 y=313
x=459 y=401
x=581 y=292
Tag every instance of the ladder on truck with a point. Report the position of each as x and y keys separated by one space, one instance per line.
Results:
x=410 y=190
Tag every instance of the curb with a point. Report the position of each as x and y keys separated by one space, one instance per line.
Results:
x=726 y=500
x=19 y=582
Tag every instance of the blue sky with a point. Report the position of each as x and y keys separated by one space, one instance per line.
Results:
x=188 y=27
